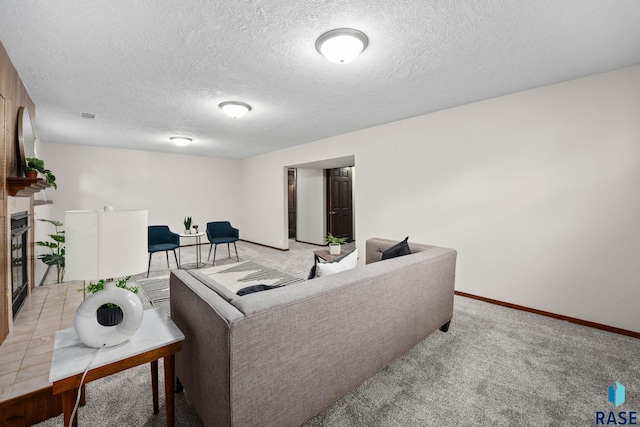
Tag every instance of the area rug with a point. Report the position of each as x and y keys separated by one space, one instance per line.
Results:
x=247 y=273
x=233 y=276
x=156 y=289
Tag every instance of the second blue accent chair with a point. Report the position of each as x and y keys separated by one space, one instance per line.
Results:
x=222 y=232
x=162 y=239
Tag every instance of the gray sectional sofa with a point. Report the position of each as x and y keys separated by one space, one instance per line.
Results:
x=278 y=357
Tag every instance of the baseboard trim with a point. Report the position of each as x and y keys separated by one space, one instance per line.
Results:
x=310 y=243
x=553 y=315
x=263 y=245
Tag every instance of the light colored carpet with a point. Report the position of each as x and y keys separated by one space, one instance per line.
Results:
x=495 y=367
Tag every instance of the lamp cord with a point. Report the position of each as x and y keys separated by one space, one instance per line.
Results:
x=75 y=408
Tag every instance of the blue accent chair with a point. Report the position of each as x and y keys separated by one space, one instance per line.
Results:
x=222 y=232
x=161 y=239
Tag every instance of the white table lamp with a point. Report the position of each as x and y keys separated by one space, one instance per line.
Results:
x=103 y=244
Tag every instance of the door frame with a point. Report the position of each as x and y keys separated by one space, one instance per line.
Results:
x=319 y=165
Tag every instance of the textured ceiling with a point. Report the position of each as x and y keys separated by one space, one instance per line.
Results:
x=151 y=69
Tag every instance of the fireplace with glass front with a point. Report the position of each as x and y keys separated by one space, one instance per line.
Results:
x=19 y=242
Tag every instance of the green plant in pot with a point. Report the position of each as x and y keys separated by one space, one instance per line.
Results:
x=56 y=257
x=334 y=243
x=35 y=165
x=187 y=225
x=109 y=314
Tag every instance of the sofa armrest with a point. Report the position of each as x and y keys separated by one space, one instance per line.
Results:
x=205 y=319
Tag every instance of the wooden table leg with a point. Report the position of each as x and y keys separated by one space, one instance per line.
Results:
x=154 y=385
x=68 y=402
x=83 y=395
x=169 y=384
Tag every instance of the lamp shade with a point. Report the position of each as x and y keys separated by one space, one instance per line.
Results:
x=105 y=244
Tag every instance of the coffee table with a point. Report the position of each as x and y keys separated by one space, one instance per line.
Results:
x=325 y=255
x=157 y=337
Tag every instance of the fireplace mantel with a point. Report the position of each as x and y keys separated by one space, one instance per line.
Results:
x=25 y=187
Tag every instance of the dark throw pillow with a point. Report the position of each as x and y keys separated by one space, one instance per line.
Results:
x=254 y=288
x=312 y=273
x=399 y=249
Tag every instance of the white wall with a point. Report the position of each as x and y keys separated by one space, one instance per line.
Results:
x=170 y=186
x=311 y=219
x=539 y=192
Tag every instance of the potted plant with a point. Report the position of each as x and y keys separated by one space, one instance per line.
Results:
x=56 y=257
x=334 y=243
x=35 y=165
x=30 y=169
x=109 y=314
x=187 y=225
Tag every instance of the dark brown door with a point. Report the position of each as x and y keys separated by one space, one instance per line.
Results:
x=291 y=195
x=339 y=204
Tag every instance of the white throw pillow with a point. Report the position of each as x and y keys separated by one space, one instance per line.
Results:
x=346 y=263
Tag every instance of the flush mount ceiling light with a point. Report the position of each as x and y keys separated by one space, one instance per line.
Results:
x=235 y=109
x=180 y=141
x=342 y=45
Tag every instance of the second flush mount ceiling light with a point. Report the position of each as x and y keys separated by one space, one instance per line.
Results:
x=180 y=141
x=342 y=45
x=235 y=109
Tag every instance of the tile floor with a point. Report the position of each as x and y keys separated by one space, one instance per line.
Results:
x=25 y=355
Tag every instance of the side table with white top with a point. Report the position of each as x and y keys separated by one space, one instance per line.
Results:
x=157 y=337
x=198 y=263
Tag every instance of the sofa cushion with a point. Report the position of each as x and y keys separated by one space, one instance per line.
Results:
x=345 y=262
x=399 y=249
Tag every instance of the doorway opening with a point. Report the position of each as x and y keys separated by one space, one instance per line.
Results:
x=313 y=191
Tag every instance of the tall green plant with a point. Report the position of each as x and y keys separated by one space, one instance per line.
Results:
x=56 y=257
